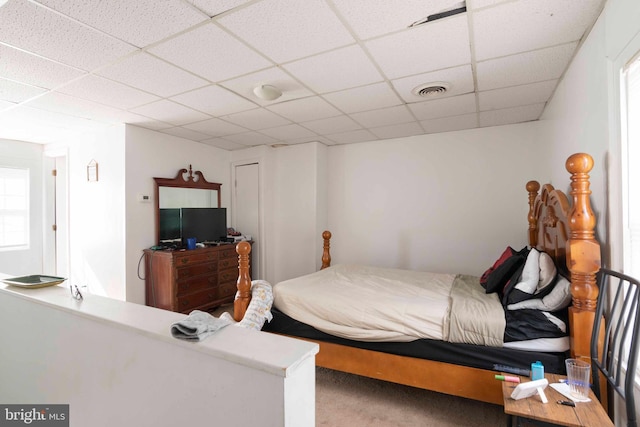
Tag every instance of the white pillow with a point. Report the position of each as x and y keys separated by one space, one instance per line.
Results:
x=538 y=272
x=558 y=298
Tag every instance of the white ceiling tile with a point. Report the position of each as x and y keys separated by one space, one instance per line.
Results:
x=477 y=4
x=210 y=52
x=223 y=144
x=444 y=107
x=290 y=87
x=34 y=70
x=384 y=117
x=151 y=124
x=139 y=22
x=6 y=104
x=286 y=30
x=332 y=125
x=528 y=25
x=429 y=47
x=370 y=18
x=523 y=68
x=32 y=124
x=516 y=96
x=308 y=139
x=370 y=97
x=104 y=91
x=251 y=138
x=257 y=119
x=305 y=109
x=151 y=74
x=31 y=27
x=337 y=70
x=458 y=79
x=170 y=112
x=186 y=133
x=216 y=127
x=511 y=115
x=448 y=124
x=66 y=104
x=360 y=135
x=397 y=131
x=214 y=100
x=288 y=132
x=17 y=92
x=216 y=7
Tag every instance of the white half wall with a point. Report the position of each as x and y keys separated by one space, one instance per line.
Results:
x=116 y=364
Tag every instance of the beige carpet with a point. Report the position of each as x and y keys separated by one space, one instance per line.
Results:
x=354 y=401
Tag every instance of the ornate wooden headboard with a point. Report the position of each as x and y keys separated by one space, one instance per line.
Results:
x=566 y=232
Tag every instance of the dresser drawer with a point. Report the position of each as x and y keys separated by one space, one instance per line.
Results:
x=195 y=257
x=229 y=275
x=226 y=263
x=195 y=284
x=189 y=302
x=227 y=290
x=228 y=251
x=196 y=269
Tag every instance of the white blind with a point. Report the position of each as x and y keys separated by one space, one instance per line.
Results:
x=14 y=207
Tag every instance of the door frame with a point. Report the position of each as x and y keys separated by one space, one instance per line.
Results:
x=262 y=247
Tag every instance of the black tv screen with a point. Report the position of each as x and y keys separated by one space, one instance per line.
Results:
x=205 y=224
x=169 y=224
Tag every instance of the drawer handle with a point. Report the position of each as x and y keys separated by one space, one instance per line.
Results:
x=184 y=260
x=184 y=302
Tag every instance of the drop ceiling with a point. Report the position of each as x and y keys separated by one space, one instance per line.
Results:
x=347 y=69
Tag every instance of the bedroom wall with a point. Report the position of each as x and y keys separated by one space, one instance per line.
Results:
x=581 y=116
x=23 y=154
x=96 y=211
x=152 y=154
x=447 y=202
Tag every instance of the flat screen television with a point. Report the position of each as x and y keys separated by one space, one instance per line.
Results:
x=169 y=224
x=205 y=224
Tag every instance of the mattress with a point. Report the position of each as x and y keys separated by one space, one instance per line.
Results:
x=475 y=356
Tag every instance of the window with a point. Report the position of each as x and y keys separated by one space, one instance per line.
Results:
x=631 y=151
x=14 y=208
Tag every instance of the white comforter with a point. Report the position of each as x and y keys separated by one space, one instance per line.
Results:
x=370 y=304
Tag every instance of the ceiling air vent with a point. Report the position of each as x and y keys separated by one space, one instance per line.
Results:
x=431 y=90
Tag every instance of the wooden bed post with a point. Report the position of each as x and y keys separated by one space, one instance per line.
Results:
x=583 y=256
x=532 y=188
x=326 y=255
x=244 y=282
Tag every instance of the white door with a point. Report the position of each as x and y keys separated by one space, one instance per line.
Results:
x=56 y=231
x=246 y=212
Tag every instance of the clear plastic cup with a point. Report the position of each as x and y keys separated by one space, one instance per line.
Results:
x=578 y=377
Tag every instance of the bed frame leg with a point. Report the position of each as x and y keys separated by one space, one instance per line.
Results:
x=243 y=297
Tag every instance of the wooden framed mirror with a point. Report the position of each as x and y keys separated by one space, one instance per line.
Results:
x=188 y=189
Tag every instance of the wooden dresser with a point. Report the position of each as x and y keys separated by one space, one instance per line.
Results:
x=183 y=281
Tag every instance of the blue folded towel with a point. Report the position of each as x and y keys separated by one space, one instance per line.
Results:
x=197 y=326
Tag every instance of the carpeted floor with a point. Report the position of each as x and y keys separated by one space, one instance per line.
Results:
x=354 y=401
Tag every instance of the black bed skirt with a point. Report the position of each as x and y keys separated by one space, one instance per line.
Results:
x=474 y=356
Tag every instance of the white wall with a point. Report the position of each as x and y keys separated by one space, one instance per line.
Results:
x=582 y=113
x=26 y=155
x=96 y=211
x=447 y=202
x=152 y=154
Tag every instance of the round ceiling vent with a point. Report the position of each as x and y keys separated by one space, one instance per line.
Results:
x=431 y=90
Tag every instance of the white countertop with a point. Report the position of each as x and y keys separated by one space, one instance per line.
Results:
x=258 y=350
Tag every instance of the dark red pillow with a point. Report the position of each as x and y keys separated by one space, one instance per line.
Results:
x=508 y=252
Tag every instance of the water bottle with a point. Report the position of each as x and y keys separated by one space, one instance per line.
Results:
x=537 y=371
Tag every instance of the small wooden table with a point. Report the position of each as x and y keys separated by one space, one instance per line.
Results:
x=589 y=414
